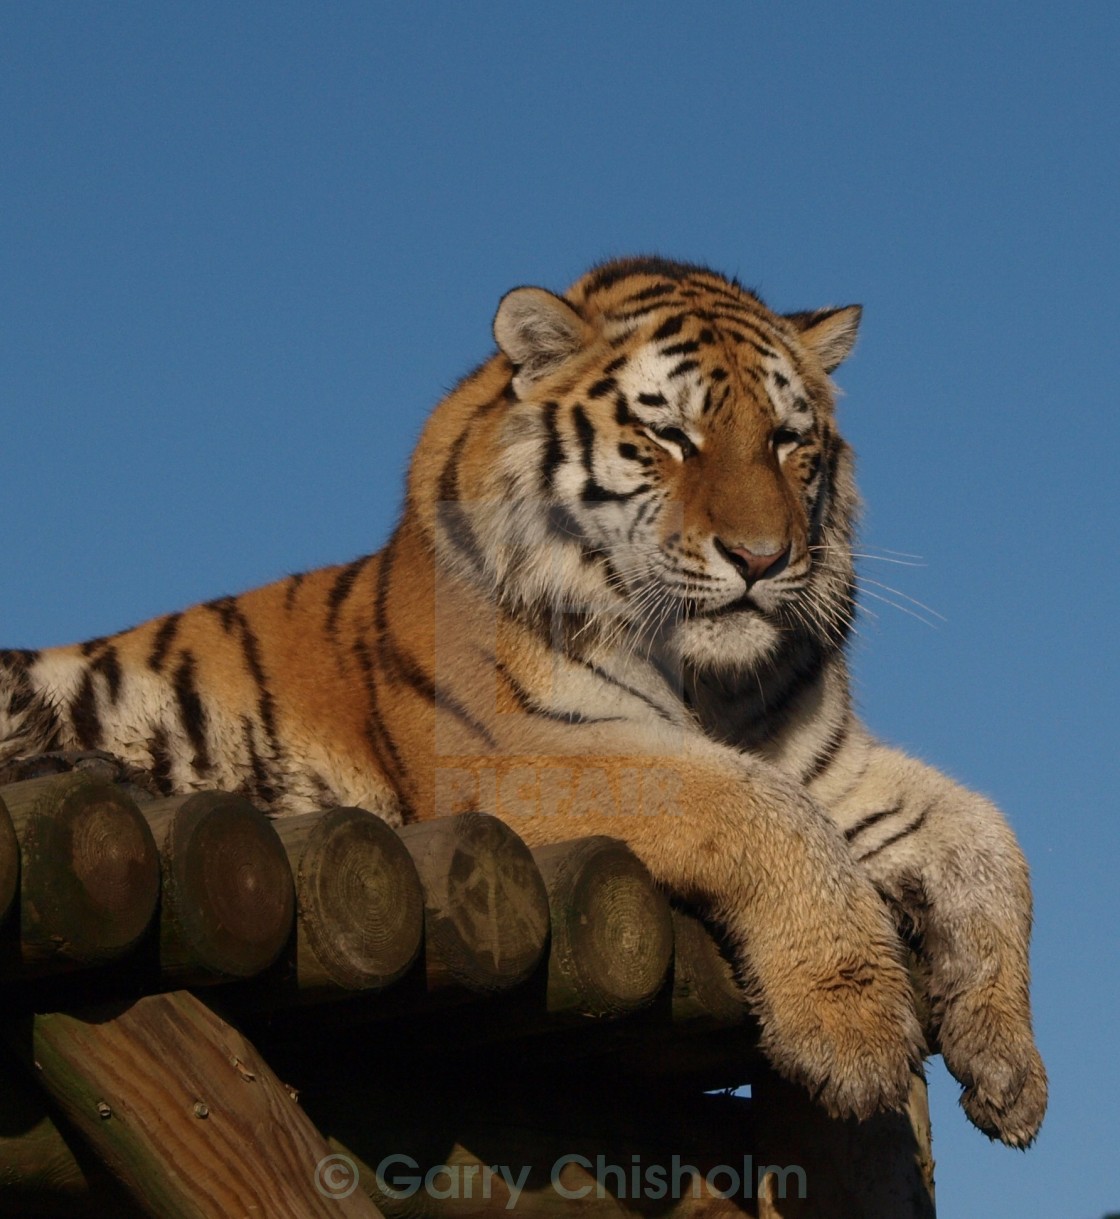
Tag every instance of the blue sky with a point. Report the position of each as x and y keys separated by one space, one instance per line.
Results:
x=246 y=247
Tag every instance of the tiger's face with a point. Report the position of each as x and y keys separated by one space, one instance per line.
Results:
x=680 y=441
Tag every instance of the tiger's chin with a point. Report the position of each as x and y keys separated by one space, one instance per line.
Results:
x=732 y=641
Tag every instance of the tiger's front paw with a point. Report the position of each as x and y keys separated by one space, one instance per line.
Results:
x=845 y=1025
x=994 y=1056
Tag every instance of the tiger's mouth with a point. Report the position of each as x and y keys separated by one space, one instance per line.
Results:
x=692 y=610
x=761 y=600
x=682 y=600
x=700 y=598
x=744 y=603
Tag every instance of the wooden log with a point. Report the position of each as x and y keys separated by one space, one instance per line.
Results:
x=704 y=986
x=89 y=873
x=138 y=784
x=699 y=1032
x=186 y=1114
x=9 y=861
x=485 y=905
x=359 y=905
x=607 y=958
x=612 y=935
x=228 y=899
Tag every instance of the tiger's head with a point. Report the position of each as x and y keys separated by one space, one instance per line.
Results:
x=668 y=456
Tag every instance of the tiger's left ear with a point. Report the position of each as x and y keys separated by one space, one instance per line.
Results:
x=831 y=333
x=538 y=332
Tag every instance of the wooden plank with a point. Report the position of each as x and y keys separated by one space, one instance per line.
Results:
x=42 y=1171
x=185 y=1113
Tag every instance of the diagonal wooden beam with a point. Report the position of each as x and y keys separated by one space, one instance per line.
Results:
x=182 y=1109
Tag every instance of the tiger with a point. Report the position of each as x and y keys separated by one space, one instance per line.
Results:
x=618 y=600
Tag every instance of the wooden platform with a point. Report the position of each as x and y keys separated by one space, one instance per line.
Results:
x=207 y=1013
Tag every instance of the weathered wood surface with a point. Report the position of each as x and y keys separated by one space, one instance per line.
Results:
x=359 y=904
x=542 y=1182
x=619 y=1145
x=698 y=1032
x=227 y=900
x=612 y=935
x=88 y=873
x=497 y=1135
x=485 y=905
x=543 y=1144
x=184 y=1112
x=137 y=784
x=704 y=985
x=483 y=909
x=564 y=963
x=685 y=1015
x=878 y=1169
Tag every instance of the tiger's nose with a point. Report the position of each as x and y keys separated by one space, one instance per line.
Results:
x=755 y=565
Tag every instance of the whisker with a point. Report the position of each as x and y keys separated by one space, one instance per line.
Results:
x=880 y=558
x=902 y=554
x=905 y=609
x=898 y=593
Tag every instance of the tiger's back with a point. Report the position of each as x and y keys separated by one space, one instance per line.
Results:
x=261 y=693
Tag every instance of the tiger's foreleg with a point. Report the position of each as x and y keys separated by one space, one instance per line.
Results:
x=947 y=860
x=818 y=952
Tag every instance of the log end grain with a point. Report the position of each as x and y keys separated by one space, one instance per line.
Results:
x=360 y=907
x=89 y=869
x=612 y=934
x=485 y=905
x=228 y=896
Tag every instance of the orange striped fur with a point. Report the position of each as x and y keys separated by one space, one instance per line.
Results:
x=617 y=601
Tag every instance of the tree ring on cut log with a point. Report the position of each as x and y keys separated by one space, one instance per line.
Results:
x=612 y=933
x=485 y=905
x=228 y=899
x=89 y=870
x=360 y=905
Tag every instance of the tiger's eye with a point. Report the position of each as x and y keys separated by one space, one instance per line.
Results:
x=675 y=436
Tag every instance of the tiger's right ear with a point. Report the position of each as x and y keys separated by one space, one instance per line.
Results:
x=538 y=332
x=831 y=333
